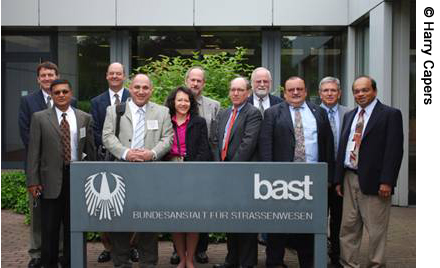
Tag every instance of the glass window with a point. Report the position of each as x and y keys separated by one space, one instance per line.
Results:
x=311 y=56
x=147 y=45
x=363 y=49
x=28 y=43
x=83 y=58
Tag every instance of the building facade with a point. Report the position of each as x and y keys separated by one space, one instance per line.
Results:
x=313 y=39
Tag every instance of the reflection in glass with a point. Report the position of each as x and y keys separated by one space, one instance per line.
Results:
x=311 y=56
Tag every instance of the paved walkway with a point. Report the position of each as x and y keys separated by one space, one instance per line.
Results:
x=401 y=251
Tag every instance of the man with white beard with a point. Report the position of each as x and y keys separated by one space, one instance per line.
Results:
x=261 y=98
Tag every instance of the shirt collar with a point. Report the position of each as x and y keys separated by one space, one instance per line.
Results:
x=45 y=95
x=256 y=98
x=111 y=92
x=369 y=108
x=334 y=108
x=303 y=105
x=60 y=113
x=134 y=107
x=240 y=107
x=185 y=122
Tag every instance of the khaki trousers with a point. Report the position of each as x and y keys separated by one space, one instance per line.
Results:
x=359 y=211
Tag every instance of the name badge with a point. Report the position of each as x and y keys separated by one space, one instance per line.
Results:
x=82 y=132
x=152 y=124
x=351 y=145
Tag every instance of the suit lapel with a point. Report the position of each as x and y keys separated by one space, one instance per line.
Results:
x=373 y=118
x=346 y=130
x=80 y=123
x=41 y=101
x=106 y=100
x=125 y=95
x=286 y=117
x=222 y=126
x=240 y=120
x=52 y=114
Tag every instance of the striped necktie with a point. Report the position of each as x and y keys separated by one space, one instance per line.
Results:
x=300 y=148
x=65 y=139
x=331 y=118
x=354 y=155
x=139 y=131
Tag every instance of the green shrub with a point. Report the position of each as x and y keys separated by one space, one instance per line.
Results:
x=168 y=73
x=14 y=193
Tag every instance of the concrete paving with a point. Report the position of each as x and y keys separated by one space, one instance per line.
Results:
x=401 y=248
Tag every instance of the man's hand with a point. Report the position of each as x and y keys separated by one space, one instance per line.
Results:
x=134 y=155
x=35 y=190
x=339 y=190
x=384 y=190
x=146 y=154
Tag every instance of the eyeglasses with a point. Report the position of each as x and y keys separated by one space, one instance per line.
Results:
x=58 y=92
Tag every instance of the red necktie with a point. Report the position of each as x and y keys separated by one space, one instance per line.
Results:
x=228 y=134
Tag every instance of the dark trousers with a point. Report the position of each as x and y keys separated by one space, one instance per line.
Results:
x=202 y=244
x=242 y=249
x=302 y=243
x=53 y=213
x=335 y=212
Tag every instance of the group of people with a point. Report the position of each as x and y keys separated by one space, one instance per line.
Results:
x=362 y=147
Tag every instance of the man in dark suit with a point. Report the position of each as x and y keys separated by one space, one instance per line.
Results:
x=369 y=158
x=57 y=136
x=39 y=100
x=330 y=93
x=115 y=94
x=295 y=131
x=235 y=139
x=261 y=82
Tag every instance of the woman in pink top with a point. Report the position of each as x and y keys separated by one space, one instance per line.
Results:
x=190 y=144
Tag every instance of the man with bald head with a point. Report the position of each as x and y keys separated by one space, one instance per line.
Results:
x=146 y=134
x=261 y=82
x=116 y=93
x=235 y=137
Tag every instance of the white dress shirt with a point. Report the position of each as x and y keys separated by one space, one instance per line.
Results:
x=45 y=95
x=112 y=95
x=71 y=119
x=266 y=101
x=337 y=122
x=367 y=114
x=310 y=131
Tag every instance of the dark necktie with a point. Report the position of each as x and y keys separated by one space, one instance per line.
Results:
x=300 y=148
x=331 y=118
x=228 y=134
x=354 y=155
x=48 y=104
x=117 y=100
x=65 y=139
x=260 y=106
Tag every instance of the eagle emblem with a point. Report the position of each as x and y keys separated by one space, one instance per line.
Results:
x=104 y=203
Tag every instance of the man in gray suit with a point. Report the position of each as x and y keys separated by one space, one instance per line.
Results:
x=330 y=93
x=235 y=137
x=146 y=134
x=57 y=136
x=208 y=109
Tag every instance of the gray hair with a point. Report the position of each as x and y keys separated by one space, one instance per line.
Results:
x=194 y=68
x=330 y=79
x=241 y=77
x=258 y=69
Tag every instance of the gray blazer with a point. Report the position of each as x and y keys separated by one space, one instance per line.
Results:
x=341 y=112
x=45 y=161
x=208 y=109
x=159 y=140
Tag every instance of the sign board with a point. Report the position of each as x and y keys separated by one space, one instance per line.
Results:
x=260 y=197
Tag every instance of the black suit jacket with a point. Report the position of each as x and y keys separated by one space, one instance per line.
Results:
x=277 y=136
x=244 y=134
x=98 y=111
x=381 y=150
x=272 y=99
x=196 y=140
x=30 y=104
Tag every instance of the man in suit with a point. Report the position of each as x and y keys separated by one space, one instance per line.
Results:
x=235 y=139
x=330 y=93
x=115 y=94
x=39 y=100
x=369 y=158
x=295 y=131
x=208 y=109
x=261 y=82
x=57 y=136
x=146 y=134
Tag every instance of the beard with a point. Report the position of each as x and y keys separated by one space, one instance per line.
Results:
x=261 y=93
